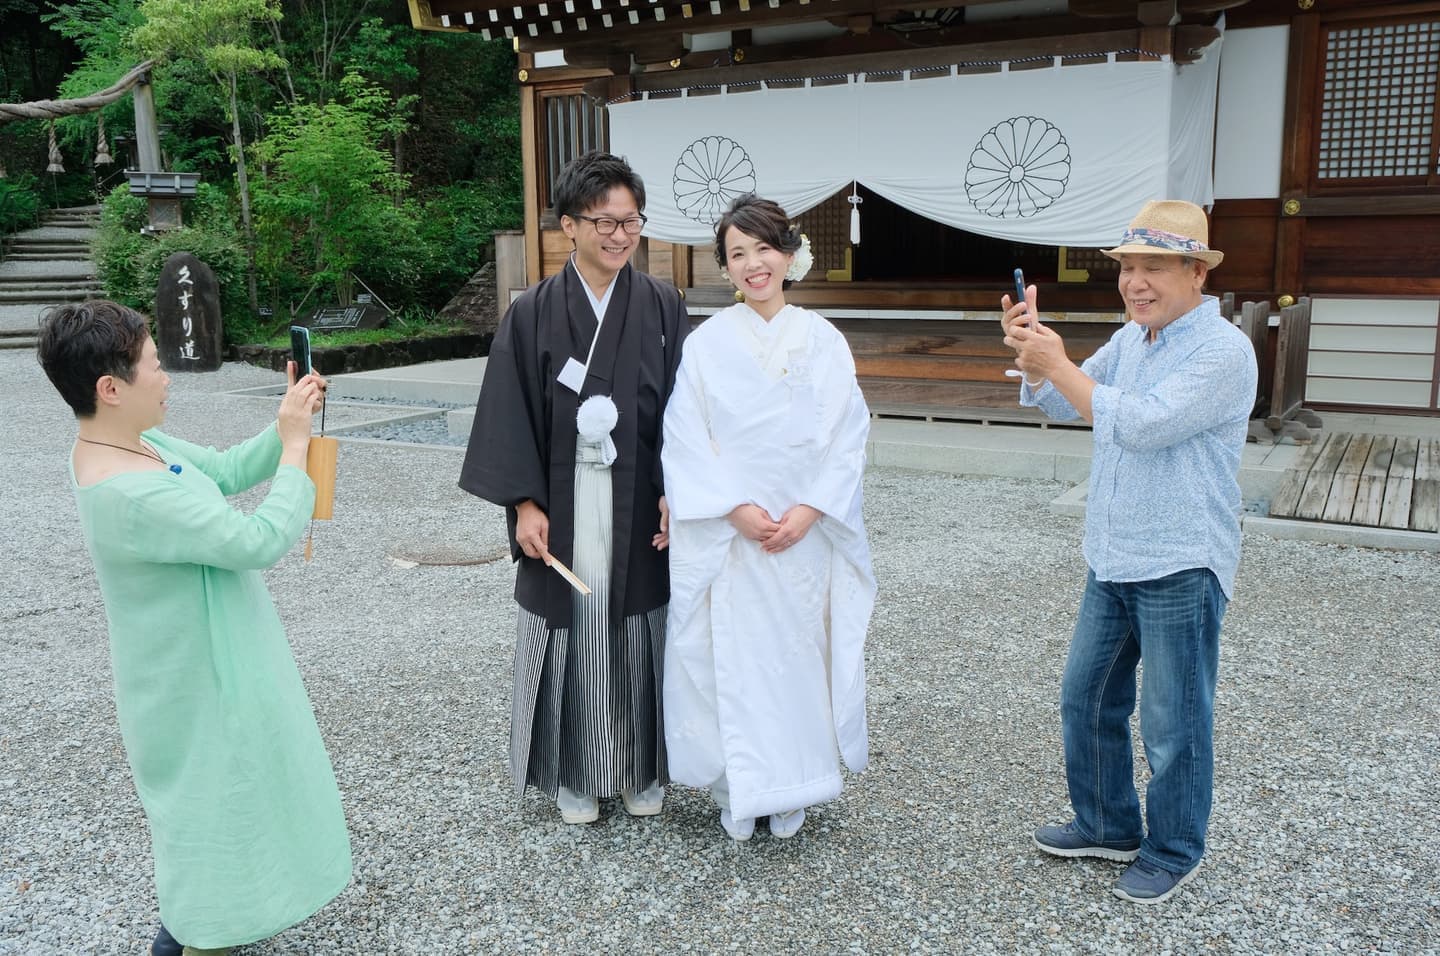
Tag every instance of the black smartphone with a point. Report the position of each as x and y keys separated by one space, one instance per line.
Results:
x=300 y=350
x=1020 y=296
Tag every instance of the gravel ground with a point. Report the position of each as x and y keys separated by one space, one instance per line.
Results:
x=1325 y=834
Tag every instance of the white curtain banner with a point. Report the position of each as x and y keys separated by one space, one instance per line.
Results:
x=1061 y=155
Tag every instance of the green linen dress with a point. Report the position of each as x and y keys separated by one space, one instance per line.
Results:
x=245 y=818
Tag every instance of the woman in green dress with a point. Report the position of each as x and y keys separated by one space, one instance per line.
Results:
x=245 y=821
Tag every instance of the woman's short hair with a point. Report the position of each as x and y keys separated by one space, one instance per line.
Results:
x=83 y=341
x=761 y=219
x=585 y=182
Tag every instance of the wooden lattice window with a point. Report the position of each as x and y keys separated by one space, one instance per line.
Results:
x=571 y=124
x=1377 y=110
x=828 y=227
x=1096 y=266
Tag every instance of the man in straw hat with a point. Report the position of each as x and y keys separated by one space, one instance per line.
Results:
x=1169 y=397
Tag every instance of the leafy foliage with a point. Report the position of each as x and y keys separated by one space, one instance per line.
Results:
x=101 y=30
x=129 y=262
x=331 y=193
x=377 y=150
x=19 y=203
x=221 y=35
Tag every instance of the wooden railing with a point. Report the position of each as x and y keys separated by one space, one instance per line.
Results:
x=1280 y=390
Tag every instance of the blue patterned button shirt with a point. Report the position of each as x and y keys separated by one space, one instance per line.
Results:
x=1170 y=418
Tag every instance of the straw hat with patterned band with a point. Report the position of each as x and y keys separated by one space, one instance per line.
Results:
x=1169 y=227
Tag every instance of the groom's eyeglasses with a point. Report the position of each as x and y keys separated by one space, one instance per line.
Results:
x=606 y=226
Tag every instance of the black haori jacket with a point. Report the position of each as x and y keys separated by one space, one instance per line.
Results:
x=522 y=444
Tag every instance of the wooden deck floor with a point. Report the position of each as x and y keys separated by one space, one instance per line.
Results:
x=932 y=401
x=1378 y=481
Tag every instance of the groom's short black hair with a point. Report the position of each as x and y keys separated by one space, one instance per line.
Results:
x=585 y=182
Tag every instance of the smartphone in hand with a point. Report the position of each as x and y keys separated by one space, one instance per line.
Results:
x=1020 y=297
x=300 y=350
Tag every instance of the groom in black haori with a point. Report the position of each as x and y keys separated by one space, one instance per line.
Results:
x=567 y=439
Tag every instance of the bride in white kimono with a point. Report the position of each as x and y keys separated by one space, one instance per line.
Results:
x=771 y=586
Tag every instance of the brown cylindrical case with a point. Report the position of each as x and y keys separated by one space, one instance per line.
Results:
x=320 y=466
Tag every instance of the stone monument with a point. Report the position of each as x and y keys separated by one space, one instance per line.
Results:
x=189 y=333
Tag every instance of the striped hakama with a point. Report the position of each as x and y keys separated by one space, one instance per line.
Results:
x=586 y=710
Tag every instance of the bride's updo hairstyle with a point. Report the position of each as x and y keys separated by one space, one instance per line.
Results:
x=761 y=219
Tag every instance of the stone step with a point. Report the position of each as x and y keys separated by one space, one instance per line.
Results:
x=69 y=255
x=72 y=271
x=55 y=234
x=42 y=255
x=51 y=295
x=60 y=234
x=50 y=286
x=20 y=319
x=29 y=275
x=47 y=245
x=44 y=296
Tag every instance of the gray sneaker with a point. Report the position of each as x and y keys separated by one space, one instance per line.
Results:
x=1067 y=840
x=1144 y=882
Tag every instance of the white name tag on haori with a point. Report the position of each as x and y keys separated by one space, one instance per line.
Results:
x=572 y=376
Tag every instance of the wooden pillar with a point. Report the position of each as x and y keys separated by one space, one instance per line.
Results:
x=1298 y=147
x=147 y=135
x=680 y=272
x=530 y=168
x=511 y=269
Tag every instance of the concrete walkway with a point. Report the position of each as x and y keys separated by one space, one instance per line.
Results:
x=1009 y=451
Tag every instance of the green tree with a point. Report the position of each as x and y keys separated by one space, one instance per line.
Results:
x=221 y=34
x=330 y=187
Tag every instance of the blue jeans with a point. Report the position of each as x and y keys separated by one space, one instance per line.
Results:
x=1174 y=624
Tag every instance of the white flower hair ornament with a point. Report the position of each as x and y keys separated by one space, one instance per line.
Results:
x=595 y=420
x=803 y=261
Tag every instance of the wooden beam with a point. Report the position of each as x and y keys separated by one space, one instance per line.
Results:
x=658 y=49
x=1413 y=205
x=424 y=17
x=730 y=18
x=589 y=58
x=1146 y=11
x=1157 y=41
x=912 y=59
x=1158 y=13
x=812 y=9
x=1191 y=39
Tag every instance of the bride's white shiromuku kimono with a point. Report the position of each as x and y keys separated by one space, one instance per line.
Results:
x=764 y=656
